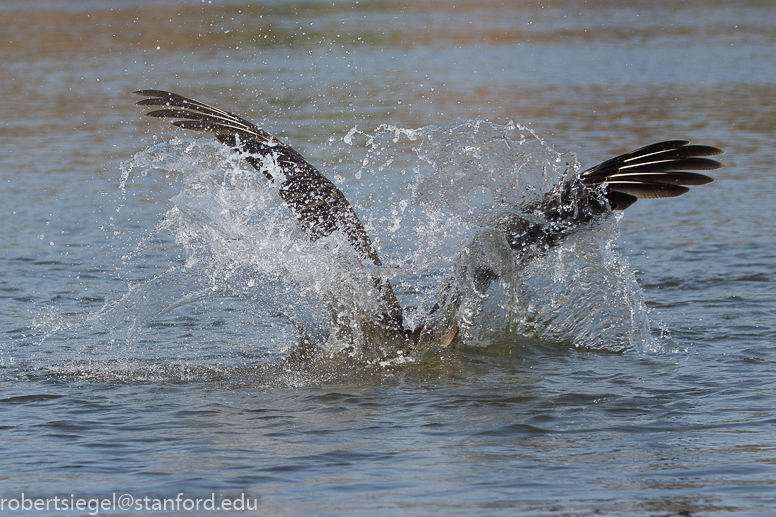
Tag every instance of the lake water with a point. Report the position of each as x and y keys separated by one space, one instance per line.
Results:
x=649 y=392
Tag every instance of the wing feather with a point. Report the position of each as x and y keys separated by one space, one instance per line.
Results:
x=318 y=205
x=656 y=171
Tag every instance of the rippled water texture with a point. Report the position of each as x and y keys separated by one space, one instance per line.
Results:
x=154 y=290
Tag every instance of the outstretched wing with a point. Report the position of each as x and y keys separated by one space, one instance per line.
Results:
x=655 y=171
x=318 y=205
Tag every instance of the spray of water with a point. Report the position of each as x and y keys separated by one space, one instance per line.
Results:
x=431 y=199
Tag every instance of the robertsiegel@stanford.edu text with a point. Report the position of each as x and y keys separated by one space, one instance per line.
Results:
x=128 y=502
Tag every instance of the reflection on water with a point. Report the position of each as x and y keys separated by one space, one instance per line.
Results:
x=198 y=404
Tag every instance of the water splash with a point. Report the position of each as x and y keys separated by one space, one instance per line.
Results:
x=431 y=199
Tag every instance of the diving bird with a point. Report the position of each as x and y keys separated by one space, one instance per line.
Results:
x=664 y=169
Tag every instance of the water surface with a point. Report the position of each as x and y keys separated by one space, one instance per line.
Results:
x=198 y=401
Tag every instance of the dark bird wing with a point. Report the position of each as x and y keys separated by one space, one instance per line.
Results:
x=655 y=171
x=659 y=170
x=318 y=205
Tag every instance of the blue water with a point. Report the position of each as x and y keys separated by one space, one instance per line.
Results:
x=534 y=419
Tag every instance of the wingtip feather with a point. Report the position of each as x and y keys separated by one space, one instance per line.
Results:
x=655 y=171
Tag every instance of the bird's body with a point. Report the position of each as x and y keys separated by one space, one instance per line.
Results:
x=663 y=169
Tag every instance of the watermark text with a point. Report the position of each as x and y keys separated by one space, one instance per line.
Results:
x=128 y=502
